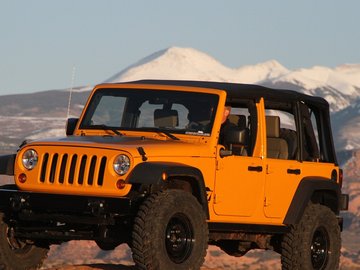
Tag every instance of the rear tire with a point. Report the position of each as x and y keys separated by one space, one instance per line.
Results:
x=16 y=254
x=314 y=243
x=170 y=232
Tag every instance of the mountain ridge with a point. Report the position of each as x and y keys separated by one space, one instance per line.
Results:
x=339 y=85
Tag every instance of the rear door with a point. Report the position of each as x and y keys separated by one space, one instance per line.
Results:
x=282 y=166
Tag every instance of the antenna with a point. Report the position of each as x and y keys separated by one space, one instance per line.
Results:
x=71 y=90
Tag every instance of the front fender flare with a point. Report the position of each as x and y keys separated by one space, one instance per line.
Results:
x=152 y=173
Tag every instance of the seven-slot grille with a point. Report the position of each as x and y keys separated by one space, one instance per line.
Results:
x=73 y=169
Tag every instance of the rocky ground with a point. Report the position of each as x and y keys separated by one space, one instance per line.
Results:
x=88 y=257
x=120 y=259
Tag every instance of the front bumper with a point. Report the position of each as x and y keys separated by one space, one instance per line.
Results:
x=76 y=209
x=56 y=218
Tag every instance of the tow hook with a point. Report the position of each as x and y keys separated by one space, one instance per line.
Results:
x=97 y=208
x=17 y=203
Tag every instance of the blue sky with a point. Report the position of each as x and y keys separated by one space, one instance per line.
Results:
x=41 y=40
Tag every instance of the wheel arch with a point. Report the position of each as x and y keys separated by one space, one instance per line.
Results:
x=316 y=190
x=171 y=175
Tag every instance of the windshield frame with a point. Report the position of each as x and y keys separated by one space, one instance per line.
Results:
x=196 y=97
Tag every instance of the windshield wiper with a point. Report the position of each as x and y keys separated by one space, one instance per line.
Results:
x=105 y=127
x=160 y=130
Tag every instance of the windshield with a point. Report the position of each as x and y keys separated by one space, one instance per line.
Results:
x=151 y=110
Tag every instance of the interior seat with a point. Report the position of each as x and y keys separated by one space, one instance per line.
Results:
x=276 y=147
x=166 y=118
x=239 y=137
x=290 y=136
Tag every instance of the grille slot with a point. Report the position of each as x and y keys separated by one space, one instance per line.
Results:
x=101 y=171
x=43 y=168
x=63 y=168
x=72 y=169
x=92 y=170
x=53 y=168
x=82 y=170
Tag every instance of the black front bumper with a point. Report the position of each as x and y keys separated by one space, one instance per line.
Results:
x=57 y=218
x=16 y=202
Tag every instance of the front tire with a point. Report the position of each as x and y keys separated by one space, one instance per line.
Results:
x=17 y=254
x=170 y=232
x=314 y=243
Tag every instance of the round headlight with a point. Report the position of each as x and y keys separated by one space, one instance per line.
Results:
x=121 y=164
x=30 y=159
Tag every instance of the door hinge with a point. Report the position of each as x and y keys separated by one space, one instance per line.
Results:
x=267 y=169
x=214 y=198
x=218 y=165
x=266 y=202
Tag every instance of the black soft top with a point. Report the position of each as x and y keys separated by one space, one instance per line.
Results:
x=240 y=90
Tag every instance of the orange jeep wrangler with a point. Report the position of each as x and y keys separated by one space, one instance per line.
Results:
x=160 y=166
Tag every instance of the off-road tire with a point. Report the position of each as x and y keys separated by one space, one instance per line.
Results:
x=170 y=232
x=17 y=254
x=314 y=243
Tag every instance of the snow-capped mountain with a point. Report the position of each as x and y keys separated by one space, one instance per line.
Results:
x=190 y=64
x=176 y=63
x=340 y=85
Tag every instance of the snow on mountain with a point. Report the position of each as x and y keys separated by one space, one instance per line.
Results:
x=260 y=72
x=340 y=85
x=350 y=73
x=346 y=127
x=190 y=64
x=318 y=77
x=176 y=63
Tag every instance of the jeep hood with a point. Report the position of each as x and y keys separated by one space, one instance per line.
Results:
x=152 y=147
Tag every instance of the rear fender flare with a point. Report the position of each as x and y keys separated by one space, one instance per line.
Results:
x=313 y=189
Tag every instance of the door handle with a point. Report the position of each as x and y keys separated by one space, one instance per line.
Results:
x=255 y=168
x=294 y=171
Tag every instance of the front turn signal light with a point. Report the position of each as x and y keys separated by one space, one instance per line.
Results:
x=22 y=178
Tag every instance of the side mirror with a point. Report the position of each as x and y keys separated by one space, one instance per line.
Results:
x=71 y=125
x=225 y=153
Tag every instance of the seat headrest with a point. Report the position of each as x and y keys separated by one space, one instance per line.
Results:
x=166 y=118
x=238 y=120
x=272 y=126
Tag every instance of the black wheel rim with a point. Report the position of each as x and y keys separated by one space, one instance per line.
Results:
x=179 y=238
x=320 y=248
